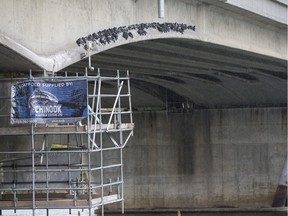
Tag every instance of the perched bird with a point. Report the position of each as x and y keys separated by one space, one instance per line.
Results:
x=84 y=40
x=79 y=42
x=114 y=37
x=130 y=34
x=112 y=34
x=131 y=27
x=102 y=41
x=141 y=32
x=160 y=28
x=191 y=27
x=90 y=37
x=122 y=28
x=125 y=35
x=95 y=36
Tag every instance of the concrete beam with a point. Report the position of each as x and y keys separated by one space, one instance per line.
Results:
x=32 y=24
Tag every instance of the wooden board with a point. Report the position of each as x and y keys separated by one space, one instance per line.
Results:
x=11 y=131
x=59 y=202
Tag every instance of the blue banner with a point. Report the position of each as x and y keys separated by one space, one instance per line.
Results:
x=48 y=101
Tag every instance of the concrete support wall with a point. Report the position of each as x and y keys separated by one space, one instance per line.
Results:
x=208 y=158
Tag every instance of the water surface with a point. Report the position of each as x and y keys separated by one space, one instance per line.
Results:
x=74 y=212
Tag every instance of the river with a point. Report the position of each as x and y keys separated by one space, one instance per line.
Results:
x=209 y=212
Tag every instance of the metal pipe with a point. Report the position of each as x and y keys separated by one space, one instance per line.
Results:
x=129 y=93
x=33 y=168
x=118 y=182
x=69 y=161
x=121 y=143
x=89 y=123
x=97 y=107
x=115 y=103
x=161 y=8
x=107 y=95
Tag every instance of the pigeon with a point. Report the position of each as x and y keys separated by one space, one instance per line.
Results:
x=90 y=37
x=131 y=27
x=191 y=27
x=102 y=41
x=112 y=34
x=125 y=35
x=95 y=36
x=130 y=34
x=141 y=32
x=79 y=42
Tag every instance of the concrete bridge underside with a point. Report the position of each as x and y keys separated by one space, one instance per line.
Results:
x=175 y=70
x=202 y=153
x=233 y=58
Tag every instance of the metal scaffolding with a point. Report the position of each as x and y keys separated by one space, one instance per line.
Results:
x=69 y=166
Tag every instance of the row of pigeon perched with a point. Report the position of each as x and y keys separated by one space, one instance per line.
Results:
x=107 y=36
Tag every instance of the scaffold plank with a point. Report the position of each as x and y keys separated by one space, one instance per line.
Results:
x=59 y=202
x=50 y=203
x=10 y=131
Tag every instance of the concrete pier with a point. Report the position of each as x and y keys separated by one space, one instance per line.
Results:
x=208 y=158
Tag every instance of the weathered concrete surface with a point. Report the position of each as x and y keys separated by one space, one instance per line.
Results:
x=208 y=158
x=49 y=28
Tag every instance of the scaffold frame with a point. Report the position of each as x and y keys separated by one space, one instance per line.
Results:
x=91 y=163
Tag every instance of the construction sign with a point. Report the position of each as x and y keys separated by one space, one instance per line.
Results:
x=48 y=101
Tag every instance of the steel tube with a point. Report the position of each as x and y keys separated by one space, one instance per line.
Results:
x=161 y=8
